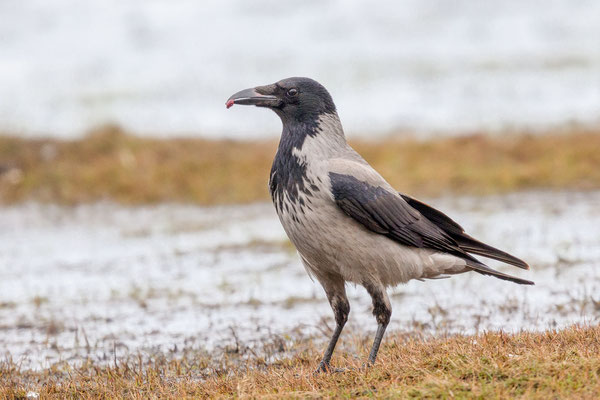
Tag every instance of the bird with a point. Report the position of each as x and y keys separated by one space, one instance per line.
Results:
x=346 y=221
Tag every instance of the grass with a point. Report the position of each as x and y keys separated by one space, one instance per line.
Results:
x=110 y=164
x=493 y=365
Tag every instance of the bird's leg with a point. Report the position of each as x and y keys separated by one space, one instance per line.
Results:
x=336 y=294
x=382 y=311
x=324 y=364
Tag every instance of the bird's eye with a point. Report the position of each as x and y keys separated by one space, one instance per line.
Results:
x=292 y=92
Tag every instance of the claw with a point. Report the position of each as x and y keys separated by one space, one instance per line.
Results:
x=366 y=365
x=325 y=367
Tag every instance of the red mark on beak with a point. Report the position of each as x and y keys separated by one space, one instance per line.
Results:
x=229 y=103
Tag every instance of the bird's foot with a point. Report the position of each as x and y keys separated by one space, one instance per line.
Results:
x=366 y=365
x=325 y=367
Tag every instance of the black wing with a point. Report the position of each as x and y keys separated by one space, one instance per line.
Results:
x=456 y=232
x=389 y=214
x=385 y=213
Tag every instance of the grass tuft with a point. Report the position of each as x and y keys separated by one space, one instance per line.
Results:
x=492 y=365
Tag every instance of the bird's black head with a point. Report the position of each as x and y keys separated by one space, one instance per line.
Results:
x=293 y=99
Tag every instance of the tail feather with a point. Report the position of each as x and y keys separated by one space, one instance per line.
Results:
x=485 y=270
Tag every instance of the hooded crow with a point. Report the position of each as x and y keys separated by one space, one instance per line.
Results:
x=347 y=223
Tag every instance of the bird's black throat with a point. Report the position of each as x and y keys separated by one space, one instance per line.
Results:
x=288 y=172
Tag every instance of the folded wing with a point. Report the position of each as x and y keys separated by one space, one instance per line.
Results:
x=387 y=213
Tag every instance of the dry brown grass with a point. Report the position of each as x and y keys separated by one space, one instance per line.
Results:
x=562 y=364
x=109 y=164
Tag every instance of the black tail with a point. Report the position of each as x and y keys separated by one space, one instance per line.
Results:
x=485 y=270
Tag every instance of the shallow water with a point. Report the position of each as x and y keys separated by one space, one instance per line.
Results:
x=164 y=68
x=102 y=281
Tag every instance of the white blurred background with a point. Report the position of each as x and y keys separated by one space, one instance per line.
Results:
x=166 y=68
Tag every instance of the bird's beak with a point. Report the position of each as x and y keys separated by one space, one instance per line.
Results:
x=259 y=96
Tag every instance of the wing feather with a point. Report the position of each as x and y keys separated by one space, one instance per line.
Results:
x=410 y=222
x=465 y=241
